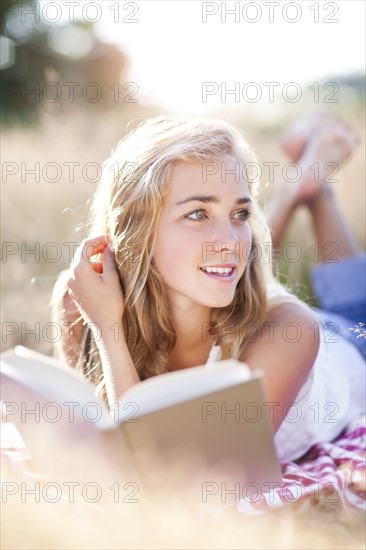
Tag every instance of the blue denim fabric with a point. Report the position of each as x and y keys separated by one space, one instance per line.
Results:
x=340 y=289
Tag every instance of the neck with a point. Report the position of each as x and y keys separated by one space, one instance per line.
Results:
x=192 y=326
x=194 y=342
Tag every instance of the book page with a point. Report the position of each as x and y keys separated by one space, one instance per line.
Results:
x=176 y=387
x=51 y=379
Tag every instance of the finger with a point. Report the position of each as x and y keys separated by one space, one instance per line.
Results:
x=93 y=248
x=89 y=248
x=109 y=263
x=97 y=266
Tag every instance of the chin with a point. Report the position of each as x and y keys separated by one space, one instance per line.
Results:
x=219 y=302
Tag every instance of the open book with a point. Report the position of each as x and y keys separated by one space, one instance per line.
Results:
x=209 y=420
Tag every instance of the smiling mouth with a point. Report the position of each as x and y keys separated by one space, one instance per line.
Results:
x=224 y=272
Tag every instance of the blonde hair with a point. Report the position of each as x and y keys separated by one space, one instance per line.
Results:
x=126 y=207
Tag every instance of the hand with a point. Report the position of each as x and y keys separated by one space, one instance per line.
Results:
x=94 y=285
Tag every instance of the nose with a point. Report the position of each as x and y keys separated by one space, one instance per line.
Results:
x=227 y=241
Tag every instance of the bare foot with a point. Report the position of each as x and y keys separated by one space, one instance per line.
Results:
x=326 y=150
x=297 y=136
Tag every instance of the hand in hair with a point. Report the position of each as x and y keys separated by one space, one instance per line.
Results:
x=96 y=290
x=95 y=285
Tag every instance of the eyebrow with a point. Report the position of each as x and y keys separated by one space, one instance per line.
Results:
x=212 y=199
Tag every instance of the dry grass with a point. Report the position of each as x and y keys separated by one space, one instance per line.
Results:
x=172 y=524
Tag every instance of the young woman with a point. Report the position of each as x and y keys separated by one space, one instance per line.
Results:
x=184 y=276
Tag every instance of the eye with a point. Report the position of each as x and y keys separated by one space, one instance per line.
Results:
x=194 y=213
x=243 y=214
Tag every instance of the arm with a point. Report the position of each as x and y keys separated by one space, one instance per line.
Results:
x=96 y=290
x=286 y=364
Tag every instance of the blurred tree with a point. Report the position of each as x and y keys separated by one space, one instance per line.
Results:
x=55 y=64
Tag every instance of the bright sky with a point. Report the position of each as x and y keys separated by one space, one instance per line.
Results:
x=176 y=46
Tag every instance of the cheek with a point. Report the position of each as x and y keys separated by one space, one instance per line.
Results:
x=246 y=244
x=248 y=233
x=171 y=262
x=246 y=237
x=170 y=251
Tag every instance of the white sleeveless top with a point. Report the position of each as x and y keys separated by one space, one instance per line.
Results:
x=334 y=394
x=214 y=355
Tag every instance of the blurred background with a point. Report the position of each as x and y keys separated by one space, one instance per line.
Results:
x=77 y=76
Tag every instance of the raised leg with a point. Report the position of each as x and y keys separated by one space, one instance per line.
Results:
x=332 y=142
x=334 y=236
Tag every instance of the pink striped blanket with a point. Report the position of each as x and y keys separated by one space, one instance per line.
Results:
x=334 y=472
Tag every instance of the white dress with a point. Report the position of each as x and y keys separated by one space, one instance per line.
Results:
x=334 y=394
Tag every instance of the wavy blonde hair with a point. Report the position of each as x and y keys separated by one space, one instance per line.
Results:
x=126 y=207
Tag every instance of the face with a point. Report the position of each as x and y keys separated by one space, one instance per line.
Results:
x=203 y=237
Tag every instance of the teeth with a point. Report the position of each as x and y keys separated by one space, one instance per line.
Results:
x=223 y=270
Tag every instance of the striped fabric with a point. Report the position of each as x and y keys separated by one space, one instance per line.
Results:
x=331 y=473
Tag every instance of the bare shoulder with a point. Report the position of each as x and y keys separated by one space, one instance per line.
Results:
x=287 y=327
x=292 y=313
x=297 y=327
x=285 y=350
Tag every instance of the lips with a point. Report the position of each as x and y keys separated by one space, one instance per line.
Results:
x=228 y=276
